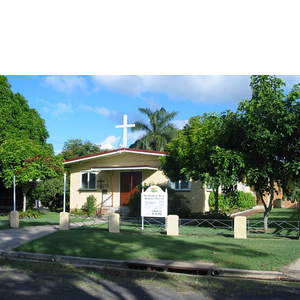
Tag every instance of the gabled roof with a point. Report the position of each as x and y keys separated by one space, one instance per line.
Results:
x=114 y=152
x=120 y=168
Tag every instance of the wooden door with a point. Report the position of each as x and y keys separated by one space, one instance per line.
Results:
x=129 y=183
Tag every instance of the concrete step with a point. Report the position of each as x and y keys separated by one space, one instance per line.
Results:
x=122 y=211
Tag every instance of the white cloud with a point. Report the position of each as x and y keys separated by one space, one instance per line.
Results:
x=56 y=108
x=99 y=110
x=62 y=108
x=133 y=136
x=129 y=85
x=111 y=142
x=199 y=89
x=290 y=80
x=180 y=123
x=66 y=84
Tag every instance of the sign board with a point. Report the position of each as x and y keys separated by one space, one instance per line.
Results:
x=154 y=202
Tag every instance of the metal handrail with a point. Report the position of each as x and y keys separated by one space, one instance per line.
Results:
x=100 y=205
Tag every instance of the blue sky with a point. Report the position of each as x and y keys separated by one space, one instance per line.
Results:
x=90 y=107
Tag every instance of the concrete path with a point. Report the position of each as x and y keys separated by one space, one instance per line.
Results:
x=14 y=237
x=249 y=212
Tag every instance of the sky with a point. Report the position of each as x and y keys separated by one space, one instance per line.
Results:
x=89 y=107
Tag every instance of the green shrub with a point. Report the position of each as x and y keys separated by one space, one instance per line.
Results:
x=245 y=200
x=30 y=214
x=78 y=212
x=90 y=206
x=134 y=204
x=232 y=200
x=223 y=202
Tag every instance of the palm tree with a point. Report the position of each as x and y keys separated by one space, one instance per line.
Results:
x=159 y=131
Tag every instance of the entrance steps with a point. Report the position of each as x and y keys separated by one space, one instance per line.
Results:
x=123 y=211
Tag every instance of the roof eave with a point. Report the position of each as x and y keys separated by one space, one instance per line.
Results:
x=114 y=152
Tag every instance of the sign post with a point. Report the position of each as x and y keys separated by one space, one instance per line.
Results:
x=64 y=199
x=154 y=203
x=14 y=191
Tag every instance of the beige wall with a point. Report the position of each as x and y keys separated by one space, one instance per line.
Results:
x=197 y=196
x=198 y=201
x=78 y=197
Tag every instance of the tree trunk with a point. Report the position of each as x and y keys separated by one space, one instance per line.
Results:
x=268 y=207
x=24 y=201
x=24 y=190
x=266 y=218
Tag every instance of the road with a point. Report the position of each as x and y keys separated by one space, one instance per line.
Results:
x=27 y=281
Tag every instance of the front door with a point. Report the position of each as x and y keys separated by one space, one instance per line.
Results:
x=129 y=183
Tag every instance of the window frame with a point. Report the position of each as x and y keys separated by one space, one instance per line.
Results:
x=173 y=183
x=88 y=181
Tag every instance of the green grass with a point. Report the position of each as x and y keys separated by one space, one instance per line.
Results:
x=281 y=222
x=251 y=254
x=279 y=214
x=48 y=218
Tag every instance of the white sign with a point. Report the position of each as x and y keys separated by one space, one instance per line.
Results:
x=154 y=202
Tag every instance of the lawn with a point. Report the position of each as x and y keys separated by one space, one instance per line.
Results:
x=48 y=218
x=251 y=254
x=281 y=222
x=279 y=214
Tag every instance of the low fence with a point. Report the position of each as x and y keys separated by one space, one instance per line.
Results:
x=255 y=228
x=3 y=216
x=151 y=225
x=206 y=227
x=85 y=221
x=291 y=229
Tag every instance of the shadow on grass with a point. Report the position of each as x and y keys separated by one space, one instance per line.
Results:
x=224 y=252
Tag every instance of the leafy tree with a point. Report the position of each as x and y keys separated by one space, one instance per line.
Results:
x=271 y=139
x=23 y=150
x=29 y=161
x=77 y=148
x=50 y=192
x=17 y=118
x=201 y=153
x=159 y=131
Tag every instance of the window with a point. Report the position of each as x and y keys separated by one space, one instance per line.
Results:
x=88 y=181
x=244 y=185
x=209 y=188
x=180 y=185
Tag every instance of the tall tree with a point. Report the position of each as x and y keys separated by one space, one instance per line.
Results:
x=17 y=118
x=51 y=191
x=23 y=149
x=158 y=132
x=271 y=139
x=77 y=148
x=200 y=153
x=29 y=161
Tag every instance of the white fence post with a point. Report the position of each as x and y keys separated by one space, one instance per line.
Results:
x=240 y=227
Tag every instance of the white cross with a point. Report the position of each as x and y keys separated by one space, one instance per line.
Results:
x=125 y=126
